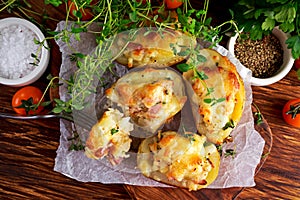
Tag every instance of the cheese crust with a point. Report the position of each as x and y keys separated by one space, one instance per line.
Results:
x=110 y=137
x=183 y=160
x=218 y=111
x=150 y=46
x=149 y=97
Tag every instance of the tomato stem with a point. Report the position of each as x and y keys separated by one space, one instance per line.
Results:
x=294 y=110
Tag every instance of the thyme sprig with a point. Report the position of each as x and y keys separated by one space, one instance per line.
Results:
x=114 y=17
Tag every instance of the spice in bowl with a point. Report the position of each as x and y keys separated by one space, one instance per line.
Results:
x=16 y=50
x=263 y=57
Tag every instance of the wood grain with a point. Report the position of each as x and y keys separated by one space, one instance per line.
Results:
x=28 y=148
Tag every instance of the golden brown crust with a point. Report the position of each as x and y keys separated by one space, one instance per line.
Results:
x=109 y=137
x=152 y=47
x=149 y=97
x=216 y=120
x=185 y=160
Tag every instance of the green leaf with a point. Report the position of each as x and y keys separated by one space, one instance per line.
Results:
x=133 y=16
x=59 y=101
x=201 y=58
x=256 y=33
x=46 y=103
x=57 y=110
x=209 y=91
x=294 y=44
x=269 y=14
x=207 y=101
x=184 y=67
x=77 y=13
x=257 y=13
x=277 y=1
x=36 y=41
x=287 y=13
x=78 y=30
x=55 y=3
x=230 y=152
x=78 y=107
x=287 y=27
x=229 y=124
x=201 y=75
x=77 y=36
x=268 y=24
x=113 y=131
x=220 y=100
x=199 y=13
x=184 y=53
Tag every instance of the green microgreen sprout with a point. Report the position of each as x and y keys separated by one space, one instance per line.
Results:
x=220 y=149
x=258 y=115
x=229 y=124
x=230 y=152
x=114 y=130
x=76 y=142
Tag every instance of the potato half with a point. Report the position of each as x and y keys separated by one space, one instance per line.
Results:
x=183 y=160
x=150 y=46
x=149 y=96
x=218 y=99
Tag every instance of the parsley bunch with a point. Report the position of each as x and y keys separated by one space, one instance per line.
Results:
x=258 y=18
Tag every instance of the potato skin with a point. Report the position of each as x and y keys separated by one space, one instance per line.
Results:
x=182 y=160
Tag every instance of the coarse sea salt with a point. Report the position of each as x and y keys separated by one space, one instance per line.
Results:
x=16 y=46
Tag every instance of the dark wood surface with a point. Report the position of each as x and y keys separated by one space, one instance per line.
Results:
x=28 y=150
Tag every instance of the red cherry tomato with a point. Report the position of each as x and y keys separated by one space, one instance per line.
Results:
x=173 y=4
x=27 y=97
x=85 y=13
x=297 y=63
x=291 y=112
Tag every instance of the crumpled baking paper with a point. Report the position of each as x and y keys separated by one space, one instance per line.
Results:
x=234 y=172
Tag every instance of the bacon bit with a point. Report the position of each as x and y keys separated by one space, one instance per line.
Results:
x=101 y=152
x=138 y=52
x=113 y=160
x=89 y=143
x=166 y=139
x=153 y=147
x=134 y=46
x=202 y=182
x=228 y=97
x=123 y=91
x=155 y=109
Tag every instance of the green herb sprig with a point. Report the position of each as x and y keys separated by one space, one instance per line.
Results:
x=114 y=17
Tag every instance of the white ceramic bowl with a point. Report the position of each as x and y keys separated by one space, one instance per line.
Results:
x=38 y=71
x=287 y=65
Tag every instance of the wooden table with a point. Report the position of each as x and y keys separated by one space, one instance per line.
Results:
x=28 y=150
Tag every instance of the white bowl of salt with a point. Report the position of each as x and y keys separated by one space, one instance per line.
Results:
x=23 y=50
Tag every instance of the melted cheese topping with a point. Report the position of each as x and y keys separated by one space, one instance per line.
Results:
x=181 y=160
x=224 y=104
x=110 y=137
x=152 y=47
x=149 y=97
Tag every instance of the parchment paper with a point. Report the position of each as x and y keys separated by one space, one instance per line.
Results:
x=234 y=172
